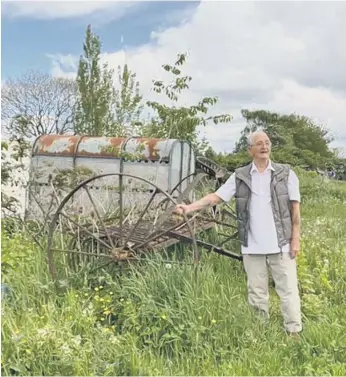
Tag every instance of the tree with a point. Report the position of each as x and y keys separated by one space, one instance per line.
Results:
x=180 y=122
x=14 y=160
x=230 y=161
x=128 y=103
x=94 y=108
x=36 y=104
x=296 y=139
x=271 y=123
x=291 y=130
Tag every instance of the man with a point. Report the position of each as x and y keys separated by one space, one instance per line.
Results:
x=268 y=209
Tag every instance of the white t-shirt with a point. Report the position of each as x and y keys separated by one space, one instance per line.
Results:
x=262 y=237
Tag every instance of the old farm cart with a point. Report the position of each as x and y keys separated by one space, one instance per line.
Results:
x=111 y=199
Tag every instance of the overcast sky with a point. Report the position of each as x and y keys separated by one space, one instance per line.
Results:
x=281 y=56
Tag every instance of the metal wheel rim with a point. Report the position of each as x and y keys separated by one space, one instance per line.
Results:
x=53 y=224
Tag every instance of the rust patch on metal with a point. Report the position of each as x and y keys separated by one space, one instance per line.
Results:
x=141 y=148
x=153 y=149
x=57 y=145
x=88 y=146
x=100 y=146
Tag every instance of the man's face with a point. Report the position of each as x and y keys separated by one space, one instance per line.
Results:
x=261 y=147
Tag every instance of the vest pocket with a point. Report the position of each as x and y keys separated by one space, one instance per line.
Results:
x=284 y=208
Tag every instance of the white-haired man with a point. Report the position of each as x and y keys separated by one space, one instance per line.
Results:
x=268 y=208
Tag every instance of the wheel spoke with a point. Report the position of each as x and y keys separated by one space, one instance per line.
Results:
x=86 y=230
x=141 y=216
x=175 y=188
x=98 y=216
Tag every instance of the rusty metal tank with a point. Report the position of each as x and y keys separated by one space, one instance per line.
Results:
x=165 y=162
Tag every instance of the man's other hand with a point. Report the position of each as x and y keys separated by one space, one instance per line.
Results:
x=295 y=247
x=182 y=208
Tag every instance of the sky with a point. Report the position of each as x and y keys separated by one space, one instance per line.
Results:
x=287 y=57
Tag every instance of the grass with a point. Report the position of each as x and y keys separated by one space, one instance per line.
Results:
x=164 y=319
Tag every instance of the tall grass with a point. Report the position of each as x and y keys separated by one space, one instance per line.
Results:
x=168 y=319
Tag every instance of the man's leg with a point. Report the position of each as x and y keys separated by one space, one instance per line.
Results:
x=257 y=282
x=284 y=272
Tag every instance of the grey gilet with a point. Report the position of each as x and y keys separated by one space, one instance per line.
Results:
x=279 y=199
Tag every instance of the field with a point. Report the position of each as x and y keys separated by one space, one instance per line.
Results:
x=163 y=319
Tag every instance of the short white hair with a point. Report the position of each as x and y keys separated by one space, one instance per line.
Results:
x=251 y=137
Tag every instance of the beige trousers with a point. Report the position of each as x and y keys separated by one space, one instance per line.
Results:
x=284 y=271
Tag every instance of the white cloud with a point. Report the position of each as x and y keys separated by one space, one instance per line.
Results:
x=280 y=56
x=64 y=65
x=52 y=9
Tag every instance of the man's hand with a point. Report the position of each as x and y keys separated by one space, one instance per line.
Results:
x=182 y=208
x=295 y=247
x=295 y=213
x=206 y=201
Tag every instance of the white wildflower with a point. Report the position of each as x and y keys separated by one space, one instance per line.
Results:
x=42 y=332
x=77 y=340
x=113 y=339
x=65 y=348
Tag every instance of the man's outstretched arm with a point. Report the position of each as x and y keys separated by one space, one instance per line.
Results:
x=224 y=193
x=209 y=200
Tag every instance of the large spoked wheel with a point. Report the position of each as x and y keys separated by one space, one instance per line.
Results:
x=214 y=225
x=113 y=217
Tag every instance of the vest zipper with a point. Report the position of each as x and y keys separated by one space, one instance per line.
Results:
x=272 y=190
x=272 y=197
x=247 y=226
x=248 y=212
x=248 y=219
